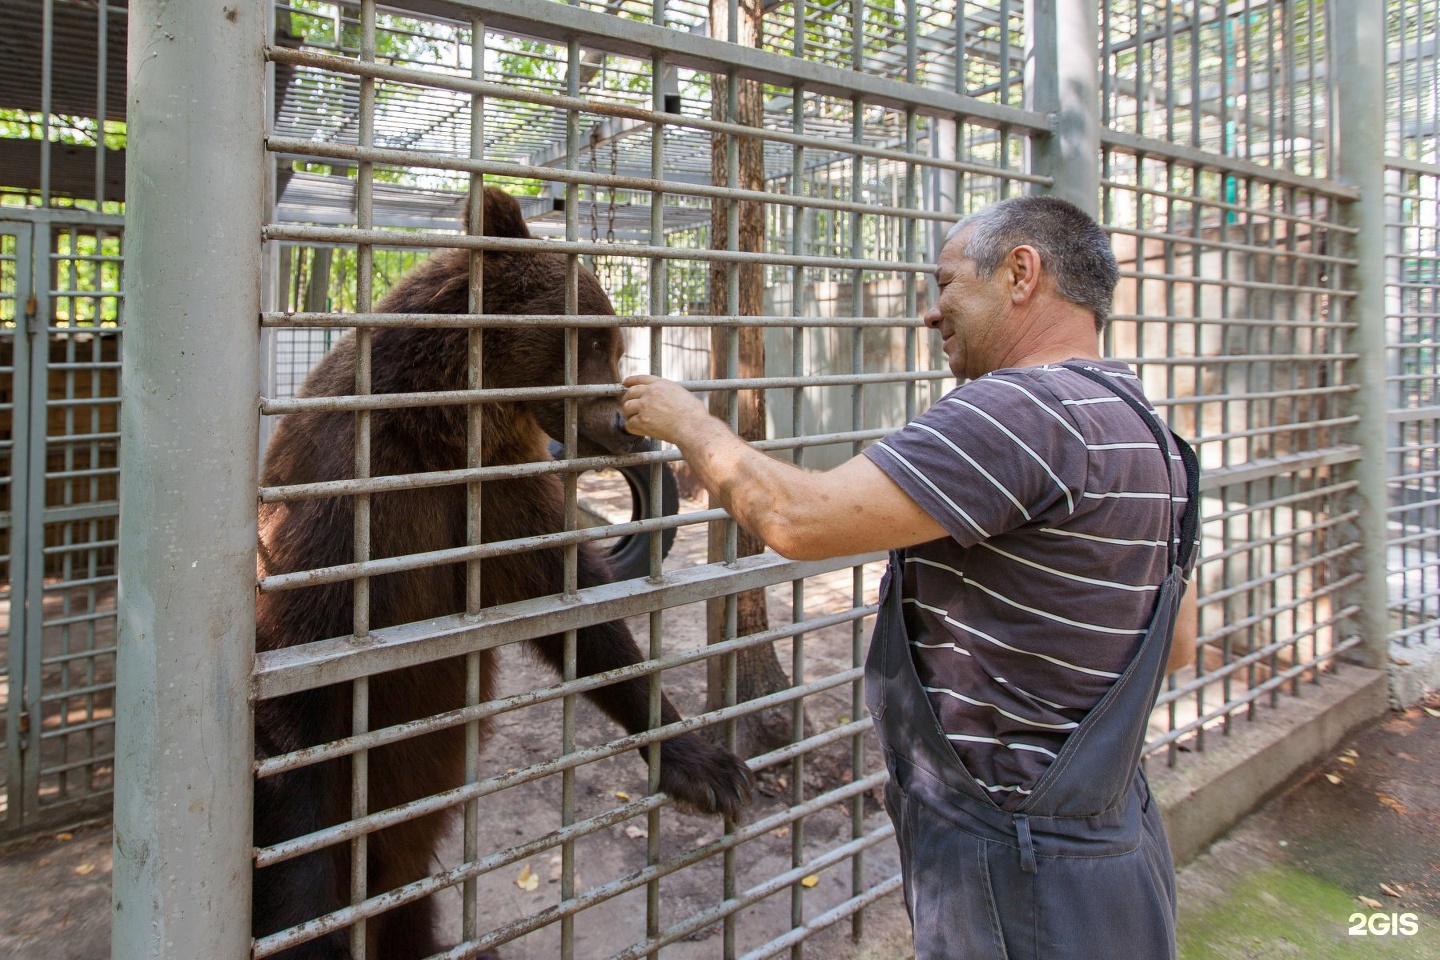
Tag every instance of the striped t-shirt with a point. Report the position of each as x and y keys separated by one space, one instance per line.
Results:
x=1059 y=513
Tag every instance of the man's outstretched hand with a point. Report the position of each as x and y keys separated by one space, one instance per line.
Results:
x=659 y=408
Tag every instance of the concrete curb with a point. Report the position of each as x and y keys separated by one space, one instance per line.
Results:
x=1211 y=791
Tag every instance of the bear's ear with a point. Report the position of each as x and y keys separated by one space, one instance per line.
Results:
x=502 y=216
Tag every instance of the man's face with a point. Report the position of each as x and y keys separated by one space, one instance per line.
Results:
x=970 y=311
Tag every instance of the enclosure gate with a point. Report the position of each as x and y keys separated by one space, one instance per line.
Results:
x=60 y=276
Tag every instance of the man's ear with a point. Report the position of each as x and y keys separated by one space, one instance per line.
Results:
x=1023 y=265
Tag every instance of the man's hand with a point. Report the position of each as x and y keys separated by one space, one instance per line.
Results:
x=659 y=408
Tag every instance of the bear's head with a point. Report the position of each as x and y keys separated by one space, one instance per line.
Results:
x=532 y=356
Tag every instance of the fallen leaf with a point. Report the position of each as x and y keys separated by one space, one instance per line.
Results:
x=1351 y=753
x=1392 y=803
x=1432 y=711
x=635 y=833
x=621 y=795
x=528 y=879
x=1333 y=778
x=783 y=832
x=64 y=836
x=1372 y=904
x=85 y=869
x=844 y=718
x=810 y=881
x=1388 y=890
x=1349 y=760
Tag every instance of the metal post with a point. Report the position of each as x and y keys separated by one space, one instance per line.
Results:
x=184 y=737
x=1062 y=71
x=1358 y=29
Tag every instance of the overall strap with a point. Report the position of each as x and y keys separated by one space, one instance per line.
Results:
x=1190 y=519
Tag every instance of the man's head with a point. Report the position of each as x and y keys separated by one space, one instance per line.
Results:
x=1014 y=270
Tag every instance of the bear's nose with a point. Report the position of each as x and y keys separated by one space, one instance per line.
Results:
x=619 y=422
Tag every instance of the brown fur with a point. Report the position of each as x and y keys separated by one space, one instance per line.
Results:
x=316 y=533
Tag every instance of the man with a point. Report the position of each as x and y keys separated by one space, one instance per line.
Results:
x=1043 y=521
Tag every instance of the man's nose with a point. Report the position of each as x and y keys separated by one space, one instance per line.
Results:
x=932 y=318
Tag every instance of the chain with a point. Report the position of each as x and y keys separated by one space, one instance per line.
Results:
x=594 y=216
x=614 y=171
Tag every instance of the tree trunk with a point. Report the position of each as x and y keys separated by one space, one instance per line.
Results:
x=758 y=670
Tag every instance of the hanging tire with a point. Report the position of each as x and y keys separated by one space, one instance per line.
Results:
x=629 y=556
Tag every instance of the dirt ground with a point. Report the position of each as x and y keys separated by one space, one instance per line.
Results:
x=1359 y=837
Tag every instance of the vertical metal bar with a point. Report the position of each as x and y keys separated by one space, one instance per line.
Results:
x=474 y=442
x=38 y=370
x=796 y=246
x=1062 y=63
x=857 y=420
x=1360 y=87
x=732 y=416
x=572 y=520
x=364 y=295
x=184 y=736
x=47 y=80
x=659 y=279
x=20 y=781
x=102 y=61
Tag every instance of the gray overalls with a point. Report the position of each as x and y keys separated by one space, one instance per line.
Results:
x=1081 y=870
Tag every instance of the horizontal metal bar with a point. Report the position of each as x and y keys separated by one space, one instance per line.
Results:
x=449 y=799
x=1239 y=626
x=643 y=41
x=1268 y=578
x=1212 y=281
x=84 y=402
x=1403 y=165
x=1251 y=506
x=1278 y=428
x=352 y=236
x=352 y=153
x=68 y=729
x=1412 y=414
x=450 y=398
x=1246 y=546
x=1217 y=478
x=339 y=660
x=485 y=321
x=1405 y=633
x=1254 y=693
x=442 y=478
x=80 y=513
x=60 y=659
x=373 y=739
x=55 y=696
x=97 y=760
x=1279 y=253
x=830 y=917
x=1203 y=398
x=1200 y=159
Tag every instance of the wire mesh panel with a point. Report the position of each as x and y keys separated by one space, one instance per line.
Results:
x=1412 y=206
x=761 y=215
x=1232 y=308
x=72 y=579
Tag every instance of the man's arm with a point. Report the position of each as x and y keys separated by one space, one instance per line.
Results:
x=854 y=508
x=1187 y=629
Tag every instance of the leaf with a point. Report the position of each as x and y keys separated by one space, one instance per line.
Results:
x=1432 y=711
x=782 y=832
x=635 y=833
x=1392 y=803
x=1349 y=760
x=1388 y=890
x=621 y=795
x=64 y=836
x=810 y=881
x=528 y=880
x=85 y=869
x=1333 y=778
x=1372 y=904
x=1351 y=753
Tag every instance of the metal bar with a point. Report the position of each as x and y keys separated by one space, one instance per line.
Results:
x=399 y=401
x=1200 y=160
x=1360 y=85
x=604 y=320
x=184 y=736
x=347 y=235
x=1062 y=67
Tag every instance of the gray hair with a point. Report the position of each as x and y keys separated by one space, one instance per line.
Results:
x=1073 y=248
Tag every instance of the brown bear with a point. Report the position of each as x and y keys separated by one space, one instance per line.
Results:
x=306 y=534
